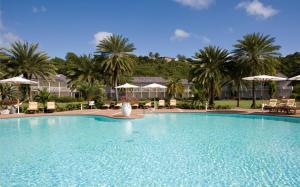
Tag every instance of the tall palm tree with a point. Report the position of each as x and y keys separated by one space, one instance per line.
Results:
x=259 y=53
x=26 y=60
x=174 y=87
x=82 y=69
x=119 y=57
x=208 y=69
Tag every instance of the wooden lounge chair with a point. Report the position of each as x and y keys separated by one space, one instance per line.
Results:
x=32 y=107
x=135 y=106
x=161 y=103
x=118 y=105
x=281 y=105
x=290 y=107
x=271 y=105
x=51 y=106
x=147 y=105
x=106 y=106
x=173 y=103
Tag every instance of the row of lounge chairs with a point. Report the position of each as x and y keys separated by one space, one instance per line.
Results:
x=33 y=107
x=284 y=105
x=161 y=104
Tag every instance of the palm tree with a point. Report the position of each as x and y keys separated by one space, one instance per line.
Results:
x=236 y=71
x=119 y=58
x=259 y=54
x=24 y=59
x=174 y=87
x=83 y=69
x=208 y=69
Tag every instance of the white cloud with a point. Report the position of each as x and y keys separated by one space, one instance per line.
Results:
x=197 y=4
x=180 y=34
x=37 y=9
x=7 y=38
x=99 y=36
x=258 y=9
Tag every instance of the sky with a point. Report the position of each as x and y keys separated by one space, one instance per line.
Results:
x=169 y=27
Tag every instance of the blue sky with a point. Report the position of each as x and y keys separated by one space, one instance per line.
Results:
x=169 y=27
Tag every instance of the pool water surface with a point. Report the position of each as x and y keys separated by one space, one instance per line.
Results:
x=160 y=149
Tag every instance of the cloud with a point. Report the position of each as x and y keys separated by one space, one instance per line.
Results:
x=99 y=36
x=180 y=34
x=258 y=9
x=197 y=4
x=37 y=9
x=7 y=38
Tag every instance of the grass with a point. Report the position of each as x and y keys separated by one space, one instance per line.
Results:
x=243 y=103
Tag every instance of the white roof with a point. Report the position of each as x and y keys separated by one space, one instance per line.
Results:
x=17 y=80
x=127 y=86
x=154 y=85
x=264 y=78
x=296 y=78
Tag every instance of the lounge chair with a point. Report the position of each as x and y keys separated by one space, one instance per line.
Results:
x=106 y=106
x=271 y=105
x=147 y=105
x=173 y=103
x=51 y=106
x=161 y=103
x=290 y=107
x=281 y=105
x=32 y=107
x=135 y=105
x=118 y=105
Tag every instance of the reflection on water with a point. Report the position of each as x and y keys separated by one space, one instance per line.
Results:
x=128 y=127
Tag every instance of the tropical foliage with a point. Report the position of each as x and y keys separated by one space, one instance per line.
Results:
x=118 y=61
x=208 y=69
x=175 y=87
x=258 y=54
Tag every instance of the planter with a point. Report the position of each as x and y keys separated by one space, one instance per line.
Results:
x=126 y=109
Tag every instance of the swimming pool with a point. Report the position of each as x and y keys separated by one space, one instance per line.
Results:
x=160 y=149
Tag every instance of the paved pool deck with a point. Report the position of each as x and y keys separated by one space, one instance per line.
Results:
x=139 y=113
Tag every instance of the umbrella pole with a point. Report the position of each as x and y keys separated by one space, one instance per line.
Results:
x=18 y=98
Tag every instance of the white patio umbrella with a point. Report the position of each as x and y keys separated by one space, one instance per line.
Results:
x=127 y=86
x=296 y=78
x=262 y=78
x=17 y=81
x=154 y=85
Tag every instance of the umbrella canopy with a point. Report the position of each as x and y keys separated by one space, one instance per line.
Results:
x=17 y=81
x=264 y=78
x=127 y=86
x=154 y=85
x=296 y=78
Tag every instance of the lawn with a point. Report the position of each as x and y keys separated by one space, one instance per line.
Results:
x=243 y=103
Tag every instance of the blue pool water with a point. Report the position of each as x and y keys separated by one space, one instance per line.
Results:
x=160 y=149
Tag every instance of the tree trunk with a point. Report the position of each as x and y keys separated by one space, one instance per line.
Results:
x=253 y=95
x=238 y=95
x=212 y=94
x=115 y=85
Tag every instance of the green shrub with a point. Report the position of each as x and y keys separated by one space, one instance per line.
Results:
x=64 y=99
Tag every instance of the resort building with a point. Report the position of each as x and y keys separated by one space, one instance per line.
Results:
x=58 y=85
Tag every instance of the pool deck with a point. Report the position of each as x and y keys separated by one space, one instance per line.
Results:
x=139 y=113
